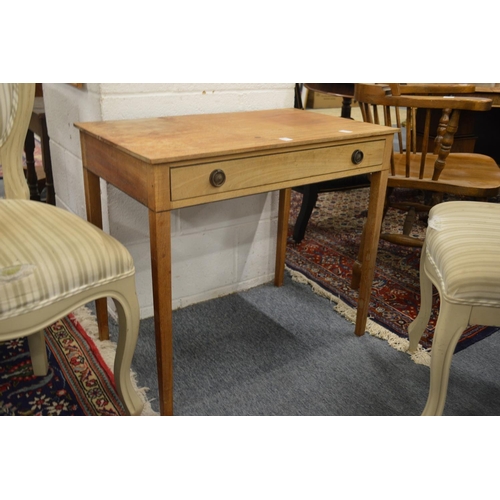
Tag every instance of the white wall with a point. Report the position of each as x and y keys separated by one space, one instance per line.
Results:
x=217 y=248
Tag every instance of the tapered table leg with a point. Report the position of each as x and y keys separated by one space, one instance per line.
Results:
x=283 y=214
x=160 y=244
x=94 y=215
x=369 y=246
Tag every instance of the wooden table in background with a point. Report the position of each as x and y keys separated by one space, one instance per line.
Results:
x=174 y=162
x=492 y=93
x=478 y=131
x=487 y=124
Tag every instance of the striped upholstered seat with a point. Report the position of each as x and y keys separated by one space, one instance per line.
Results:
x=51 y=261
x=70 y=258
x=463 y=251
x=461 y=258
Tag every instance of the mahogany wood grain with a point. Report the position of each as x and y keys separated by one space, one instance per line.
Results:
x=492 y=93
x=432 y=88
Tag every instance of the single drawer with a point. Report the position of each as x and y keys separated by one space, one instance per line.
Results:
x=255 y=172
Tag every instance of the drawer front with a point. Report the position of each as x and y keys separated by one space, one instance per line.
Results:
x=194 y=181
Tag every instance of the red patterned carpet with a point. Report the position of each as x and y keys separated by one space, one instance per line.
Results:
x=78 y=382
x=330 y=246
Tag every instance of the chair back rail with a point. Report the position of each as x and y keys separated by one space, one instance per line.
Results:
x=388 y=99
x=426 y=118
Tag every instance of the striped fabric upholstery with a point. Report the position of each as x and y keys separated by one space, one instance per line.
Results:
x=8 y=106
x=463 y=249
x=38 y=267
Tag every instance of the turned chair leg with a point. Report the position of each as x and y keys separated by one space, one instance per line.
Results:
x=345 y=112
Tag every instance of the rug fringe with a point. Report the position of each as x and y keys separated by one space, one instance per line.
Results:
x=107 y=349
x=421 y=356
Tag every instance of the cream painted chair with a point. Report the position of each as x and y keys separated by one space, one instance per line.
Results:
x=461 y=257
x=52 y=261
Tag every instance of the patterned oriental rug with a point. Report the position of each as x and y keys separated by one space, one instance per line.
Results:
x=79 y=381
x=325 y=257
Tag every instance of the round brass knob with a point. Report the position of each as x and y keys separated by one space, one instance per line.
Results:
x=217 y=178
x=357 y=157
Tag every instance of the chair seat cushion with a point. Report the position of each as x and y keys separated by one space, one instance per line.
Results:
x=462 y=248
x=47 y=254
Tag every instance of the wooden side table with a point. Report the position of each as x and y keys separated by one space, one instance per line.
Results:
x=174 y=162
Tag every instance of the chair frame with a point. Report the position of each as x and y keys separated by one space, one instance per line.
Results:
x=452 y=320
x=422 y=165
x=32 y=323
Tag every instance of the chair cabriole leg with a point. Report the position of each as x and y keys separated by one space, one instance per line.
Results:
x=452 y=321
x=417 y=327
x=128 y=322
x=38 y=353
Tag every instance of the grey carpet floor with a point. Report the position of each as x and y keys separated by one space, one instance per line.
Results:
x=285 y=351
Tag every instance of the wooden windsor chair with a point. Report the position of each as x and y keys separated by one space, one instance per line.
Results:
x=424 y=158
x=426 y=161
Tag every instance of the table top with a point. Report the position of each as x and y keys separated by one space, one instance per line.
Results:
x=492 y=93
x=180 y=138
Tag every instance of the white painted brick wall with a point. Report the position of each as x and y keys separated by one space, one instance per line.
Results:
x=217 y=248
